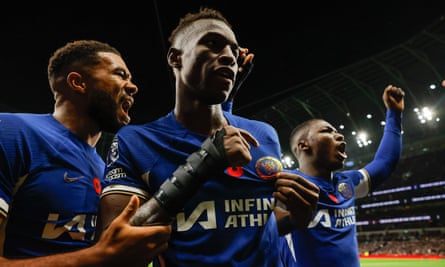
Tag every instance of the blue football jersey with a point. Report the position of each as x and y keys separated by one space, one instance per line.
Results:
x=49 y=186
x=330 y=239
x=226 y=223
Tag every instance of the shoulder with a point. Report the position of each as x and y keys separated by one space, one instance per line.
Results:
x=14 y=117
x=144 y=138
x=349 y=174
x=246 y=121
x=256 y=127
x=159 y=125
x=18 y=122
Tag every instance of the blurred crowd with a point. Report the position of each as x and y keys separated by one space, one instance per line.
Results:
x=428 y=243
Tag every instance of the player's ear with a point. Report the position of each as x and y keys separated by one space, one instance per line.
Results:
x=75 y=81
x=303 y=145
x=174 y=57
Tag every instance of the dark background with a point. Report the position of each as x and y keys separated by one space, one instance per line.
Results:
x=293 y=42
x=311 y=59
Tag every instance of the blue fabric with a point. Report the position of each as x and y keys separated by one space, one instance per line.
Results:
x=228 y=221
x=389 y=151
x=53 y=180
x=330 y=239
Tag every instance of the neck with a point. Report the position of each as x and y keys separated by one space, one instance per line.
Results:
x=204 y=119
x=80 y=124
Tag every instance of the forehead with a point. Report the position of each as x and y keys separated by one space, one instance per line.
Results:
x=201 y=27
x=319 y=124
x=112 y=61
x=111 y=58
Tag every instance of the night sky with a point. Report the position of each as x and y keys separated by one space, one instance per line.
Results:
x=292 y=43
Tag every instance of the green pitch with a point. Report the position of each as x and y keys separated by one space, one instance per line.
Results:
x=402 y=262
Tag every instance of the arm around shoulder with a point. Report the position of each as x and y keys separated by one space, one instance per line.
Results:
x=120 y=242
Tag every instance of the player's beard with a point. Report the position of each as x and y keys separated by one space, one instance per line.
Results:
x=103 y=109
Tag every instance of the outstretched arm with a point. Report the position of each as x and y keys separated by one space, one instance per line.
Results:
x=390 y=147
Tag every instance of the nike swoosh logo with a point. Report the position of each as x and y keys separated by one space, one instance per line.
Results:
x=71 y=179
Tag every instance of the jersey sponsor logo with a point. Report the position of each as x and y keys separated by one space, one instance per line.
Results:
x=267 y=167
x=71 y=179
x=76 y=227
x=206 y=207
x=115 y=173
x=344 y=217
x=322 y=217
x=239 y=213
x=338 y=218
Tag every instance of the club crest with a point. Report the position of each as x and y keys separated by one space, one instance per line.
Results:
x=267 y=167
x=345 y=190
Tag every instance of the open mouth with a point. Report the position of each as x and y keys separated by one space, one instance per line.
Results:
x=226 y=73
x=342 y=150
x=126 y=106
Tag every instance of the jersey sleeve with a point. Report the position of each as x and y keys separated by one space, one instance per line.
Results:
x=389 y=151
x=13 y=159
x=121 y=173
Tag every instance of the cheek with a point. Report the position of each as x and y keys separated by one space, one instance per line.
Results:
x=105 y=97
x=194 y=74
x=200 y=58
x=190 y=66
x=324 y=146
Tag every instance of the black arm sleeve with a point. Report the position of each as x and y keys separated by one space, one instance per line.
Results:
x=185 y=182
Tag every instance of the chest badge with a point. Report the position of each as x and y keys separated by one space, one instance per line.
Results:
x=267 y=167
x=345 y=190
